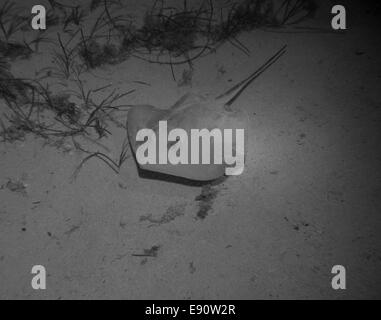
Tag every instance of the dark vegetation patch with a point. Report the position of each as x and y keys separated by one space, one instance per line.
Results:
x=166 y=30
x=14 y=26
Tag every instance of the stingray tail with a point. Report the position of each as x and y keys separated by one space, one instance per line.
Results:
x=233 y=93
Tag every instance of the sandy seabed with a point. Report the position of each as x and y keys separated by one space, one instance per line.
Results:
x=308 y=199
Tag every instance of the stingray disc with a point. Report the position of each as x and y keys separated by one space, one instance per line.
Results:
x=190 y=112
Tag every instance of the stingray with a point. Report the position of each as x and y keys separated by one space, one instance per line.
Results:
x=193 y=111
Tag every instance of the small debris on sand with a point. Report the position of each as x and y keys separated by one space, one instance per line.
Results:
x=171 y=214
x=15 y=186
x=206 y=199
x=192 y=268
x=152 y=252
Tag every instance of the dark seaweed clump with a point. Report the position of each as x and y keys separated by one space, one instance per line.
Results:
x=177 y=32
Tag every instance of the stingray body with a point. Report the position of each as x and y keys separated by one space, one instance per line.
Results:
x=194 y=112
